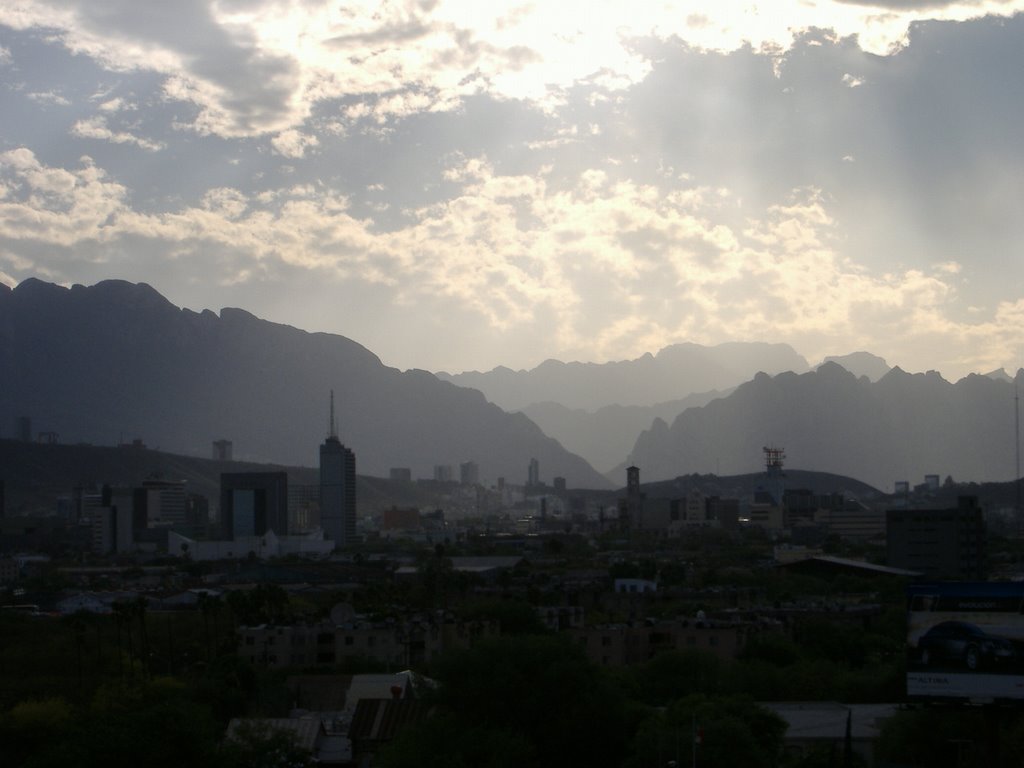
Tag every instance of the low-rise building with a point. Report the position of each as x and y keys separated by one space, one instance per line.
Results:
x=616 y=645
x=401 y=644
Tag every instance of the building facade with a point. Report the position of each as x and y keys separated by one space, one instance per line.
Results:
x=939 y=543
x=325 y=644
x=252 y=503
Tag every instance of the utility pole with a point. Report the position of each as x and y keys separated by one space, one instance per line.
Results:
x=693 y=741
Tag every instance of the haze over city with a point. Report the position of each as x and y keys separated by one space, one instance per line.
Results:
x=458 y=186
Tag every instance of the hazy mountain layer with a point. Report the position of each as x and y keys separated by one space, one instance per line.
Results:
x=117 y=361
x=606 y=436
x=861 y=364
x=675 y=372
x=899 y=428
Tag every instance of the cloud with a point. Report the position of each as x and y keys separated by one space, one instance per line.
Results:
x=260 y=68
x=608 y=266
x=293 y=144
x=49 y=97
x=920 y=5
x=96 y=128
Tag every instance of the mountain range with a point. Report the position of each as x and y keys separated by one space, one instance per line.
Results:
x=899 y=428
x=598 y=410
x=117 y=361
x=673 y=373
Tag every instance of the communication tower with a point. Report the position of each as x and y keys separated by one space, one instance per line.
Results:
x=773 y=460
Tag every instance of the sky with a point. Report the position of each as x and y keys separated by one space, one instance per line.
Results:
x=461 y=185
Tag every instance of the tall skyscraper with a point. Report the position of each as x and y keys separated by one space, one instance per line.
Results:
x=533 y=473
x=337 y=488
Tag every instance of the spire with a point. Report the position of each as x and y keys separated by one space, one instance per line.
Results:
x=333 y=430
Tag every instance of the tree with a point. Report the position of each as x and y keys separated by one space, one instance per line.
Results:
x=530 y=691
x=256 y=744
x=724 y=731
x=674 y=674
x=445 y=741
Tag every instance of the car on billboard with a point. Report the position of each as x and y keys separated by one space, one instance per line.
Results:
x=966 y=644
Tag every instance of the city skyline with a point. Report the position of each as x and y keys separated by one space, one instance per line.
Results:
x=457 y=189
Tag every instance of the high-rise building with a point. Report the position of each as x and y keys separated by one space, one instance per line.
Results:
x=222 y=450
x=110 y=515
x=469 y=473
x=252 y=503
x=337 y=488
x=159 y=503
x=631 y=508
x=533 y=474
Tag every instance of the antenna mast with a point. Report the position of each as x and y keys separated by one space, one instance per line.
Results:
x=333 y=427
x=1016 y=439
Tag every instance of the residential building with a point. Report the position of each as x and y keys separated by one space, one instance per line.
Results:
x=401 y=644
x=617 y=645
x=400 y=475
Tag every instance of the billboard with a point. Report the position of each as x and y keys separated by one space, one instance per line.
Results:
x=965 y=640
